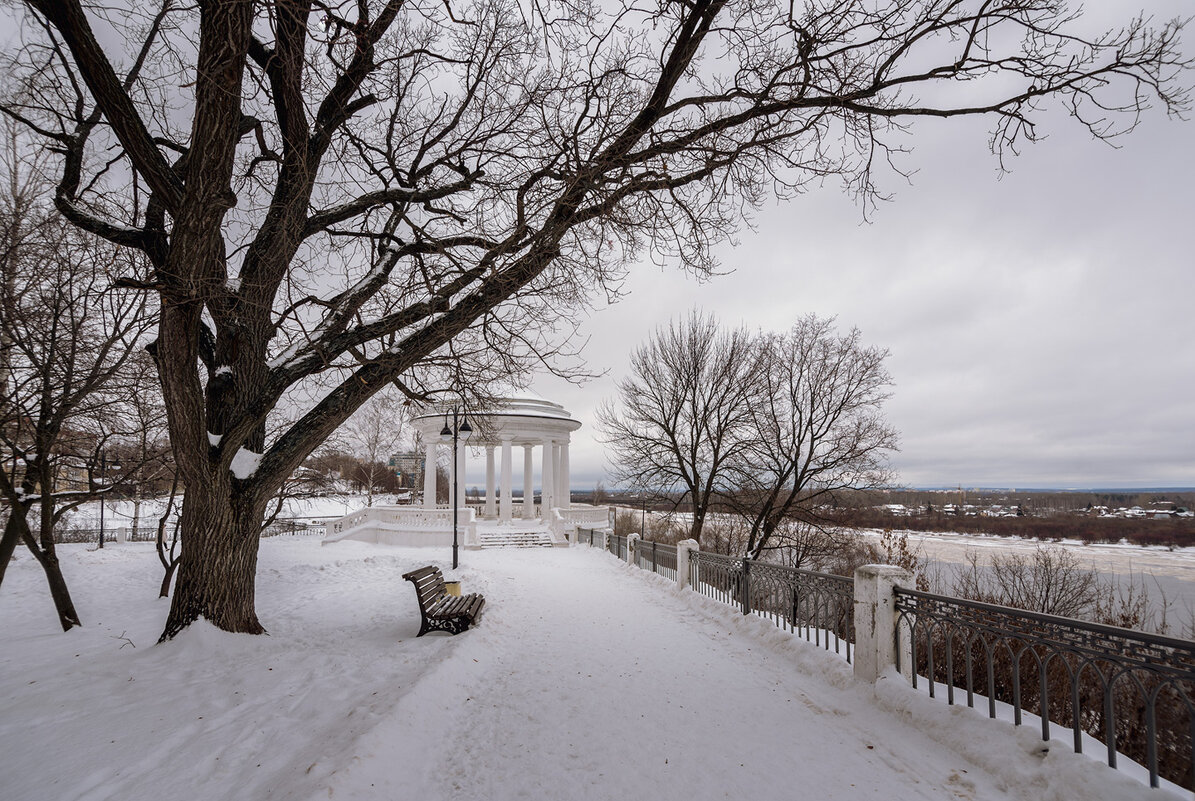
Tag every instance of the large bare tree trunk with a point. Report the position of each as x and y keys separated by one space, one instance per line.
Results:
x=219 y=562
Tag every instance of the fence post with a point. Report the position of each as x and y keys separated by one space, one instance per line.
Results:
x=632 y=546
x=122 y=534
x=875 y=618
x=745 y=587
x=683 y=549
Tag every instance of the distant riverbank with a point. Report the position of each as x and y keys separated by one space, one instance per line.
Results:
x=1165 y=572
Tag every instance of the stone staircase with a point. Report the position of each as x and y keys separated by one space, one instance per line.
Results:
x=514 y=539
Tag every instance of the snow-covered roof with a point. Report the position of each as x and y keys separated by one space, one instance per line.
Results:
x=522 y=418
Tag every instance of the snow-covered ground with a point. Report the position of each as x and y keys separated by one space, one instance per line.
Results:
x=122 y=512
x=585 y=680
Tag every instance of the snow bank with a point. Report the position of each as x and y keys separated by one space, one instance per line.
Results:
x=586 y=679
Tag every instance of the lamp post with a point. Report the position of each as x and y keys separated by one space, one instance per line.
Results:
x=460 y=430
x=103 y=475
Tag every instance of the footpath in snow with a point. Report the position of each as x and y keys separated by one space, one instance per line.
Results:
x=585 y=680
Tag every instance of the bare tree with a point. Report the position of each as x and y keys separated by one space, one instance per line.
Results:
x=682 y=412
x=336 y=196
x=1049 y=580
x=376 y=431
x=816 y=428
x=149 y=465
x=66 y=338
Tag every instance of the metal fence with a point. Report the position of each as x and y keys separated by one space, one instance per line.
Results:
x=280 y=527
x=283 y=527
x=818 y=606
x=656 y=557
x=1131 y=690
x=589 y=536
x=140 y=534
x=617 y=545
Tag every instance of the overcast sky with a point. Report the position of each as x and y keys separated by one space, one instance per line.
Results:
x=1041 y=323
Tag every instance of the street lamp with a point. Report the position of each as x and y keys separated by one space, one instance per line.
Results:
x=104 y=464
x=460 y=430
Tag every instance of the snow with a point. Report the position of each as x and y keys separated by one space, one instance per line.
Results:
x=223 y=369
x=214 y=439
x=245 y=463
x=233 y=284
x=283 y=359
x=586 y=679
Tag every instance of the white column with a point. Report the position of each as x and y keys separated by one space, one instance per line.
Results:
x=506 y=482
x=547 y=472
x=429 y=476
x=875 y=620
x=556 y=474
x=491 y=508
x=528 y=490
x=684 y=549
x=565 y=488
x=459 y=501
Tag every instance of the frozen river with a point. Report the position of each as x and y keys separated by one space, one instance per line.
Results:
x=1171 y=572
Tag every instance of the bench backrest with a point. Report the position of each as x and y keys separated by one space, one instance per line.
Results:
x=429 y=584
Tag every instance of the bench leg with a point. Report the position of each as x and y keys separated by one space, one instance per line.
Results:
x=454 y=625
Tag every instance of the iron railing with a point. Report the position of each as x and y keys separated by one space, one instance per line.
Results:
x=141 y=534
x=279 y=527
x=818 y=606
x=1131 y=690
x=617 y=545
x=656 y=557
x=590 y=536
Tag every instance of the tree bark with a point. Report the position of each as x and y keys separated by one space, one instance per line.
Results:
x=218 y=563
x=17 y=528
x=698 y=525
x=63 y=604
x=8 y=543
x=164 y=589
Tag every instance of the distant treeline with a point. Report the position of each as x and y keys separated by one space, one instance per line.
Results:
x=1170 y=532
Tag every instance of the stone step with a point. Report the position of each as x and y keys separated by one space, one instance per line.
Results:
x=514 y=539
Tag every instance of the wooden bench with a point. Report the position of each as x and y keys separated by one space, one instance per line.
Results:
x=441 y=611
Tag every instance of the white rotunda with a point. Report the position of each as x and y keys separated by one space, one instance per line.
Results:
x=520 y=421
x=526 y=422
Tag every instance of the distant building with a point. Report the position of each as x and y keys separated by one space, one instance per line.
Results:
x=408 y=469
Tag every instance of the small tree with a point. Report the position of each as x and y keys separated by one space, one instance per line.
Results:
x=816 y=427
x=682 y=413
x=66 y=339
x=377 y=430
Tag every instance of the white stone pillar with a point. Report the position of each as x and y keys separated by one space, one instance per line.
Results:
x=460 y=500
x=875 y=619
x=504 y=502
x=555 y=474
x=528 y=489
x=491 y=508
x=429 y=476
x=683 y=549
x=565 y=488
x=632 y=547
x=547 y=471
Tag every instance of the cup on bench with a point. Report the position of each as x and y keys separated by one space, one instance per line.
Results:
x=452 y=587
